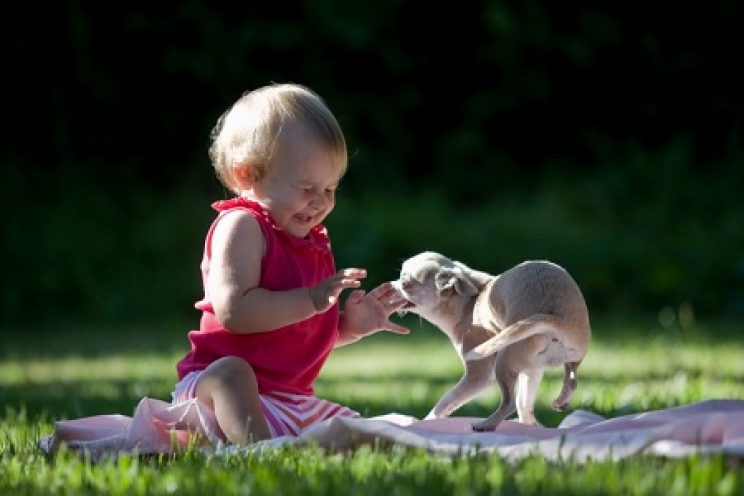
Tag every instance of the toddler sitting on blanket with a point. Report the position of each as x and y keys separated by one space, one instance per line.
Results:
x=270 y=311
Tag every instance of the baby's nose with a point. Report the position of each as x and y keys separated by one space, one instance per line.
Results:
x=318 y=202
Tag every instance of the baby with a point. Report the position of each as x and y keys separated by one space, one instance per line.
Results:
x=270 y=311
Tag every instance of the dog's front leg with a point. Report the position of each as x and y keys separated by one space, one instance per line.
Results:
x=478 y=376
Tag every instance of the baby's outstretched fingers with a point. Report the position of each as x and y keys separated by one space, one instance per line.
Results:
x=396 y=328
x=326 y=293
x=355 y=296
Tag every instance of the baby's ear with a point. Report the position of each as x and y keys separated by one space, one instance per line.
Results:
x=244 y=175
x=448 y=281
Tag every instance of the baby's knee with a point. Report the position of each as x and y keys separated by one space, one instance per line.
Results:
x=228 y=373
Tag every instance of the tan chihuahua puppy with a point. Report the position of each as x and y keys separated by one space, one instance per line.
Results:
x=509 y=327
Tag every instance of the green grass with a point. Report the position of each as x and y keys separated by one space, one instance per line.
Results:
x=52 y=374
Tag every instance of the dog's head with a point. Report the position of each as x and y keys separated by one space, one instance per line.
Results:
x=430 y=281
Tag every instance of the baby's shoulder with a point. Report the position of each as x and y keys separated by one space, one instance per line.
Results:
x=237 y=219
x=237 y=227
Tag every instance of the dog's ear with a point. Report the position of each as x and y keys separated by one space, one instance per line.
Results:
x=448 y=281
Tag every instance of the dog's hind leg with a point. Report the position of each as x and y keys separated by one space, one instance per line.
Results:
x=569 y=386
x=506 y=376
x=528 y=382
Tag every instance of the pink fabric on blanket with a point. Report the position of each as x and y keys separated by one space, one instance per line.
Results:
x=157 y=427
x=706 y=427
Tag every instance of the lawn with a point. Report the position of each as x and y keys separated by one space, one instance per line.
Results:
x=52 y=374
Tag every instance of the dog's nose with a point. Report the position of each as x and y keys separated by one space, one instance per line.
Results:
x=403 y=287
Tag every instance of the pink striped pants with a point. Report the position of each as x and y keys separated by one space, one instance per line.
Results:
x=286 y=414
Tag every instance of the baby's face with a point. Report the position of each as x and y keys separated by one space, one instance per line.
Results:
x=299 y=190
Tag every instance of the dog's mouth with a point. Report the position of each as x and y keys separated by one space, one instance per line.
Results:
x=402 y=296
x=406 y=307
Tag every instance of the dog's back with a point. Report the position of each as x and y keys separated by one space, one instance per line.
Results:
x=536 y=288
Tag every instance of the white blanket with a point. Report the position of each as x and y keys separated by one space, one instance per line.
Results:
x=706 y=427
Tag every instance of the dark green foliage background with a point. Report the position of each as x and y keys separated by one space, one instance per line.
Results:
x=605 y=137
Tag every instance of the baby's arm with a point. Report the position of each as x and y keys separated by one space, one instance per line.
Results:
x=235 y=272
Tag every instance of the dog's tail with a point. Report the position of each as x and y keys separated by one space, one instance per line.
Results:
x=523 y=329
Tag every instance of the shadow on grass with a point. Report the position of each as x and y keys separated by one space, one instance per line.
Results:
x=94 y=340
x=170 y=337
x=72 y=399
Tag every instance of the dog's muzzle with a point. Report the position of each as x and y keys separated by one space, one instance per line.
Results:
x=398 y=285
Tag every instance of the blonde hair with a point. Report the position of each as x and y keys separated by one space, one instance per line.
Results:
x=249 y=133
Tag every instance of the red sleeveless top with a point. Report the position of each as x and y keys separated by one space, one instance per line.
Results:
x=288 y=359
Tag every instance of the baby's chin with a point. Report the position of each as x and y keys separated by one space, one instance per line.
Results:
x=301 y=225
x=298 y=229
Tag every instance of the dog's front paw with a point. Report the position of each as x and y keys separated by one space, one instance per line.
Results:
x=560 y=406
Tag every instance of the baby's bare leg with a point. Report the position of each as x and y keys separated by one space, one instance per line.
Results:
x=228 y=386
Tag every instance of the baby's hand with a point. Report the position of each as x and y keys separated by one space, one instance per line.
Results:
x=367 y=313
x=326 y=293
